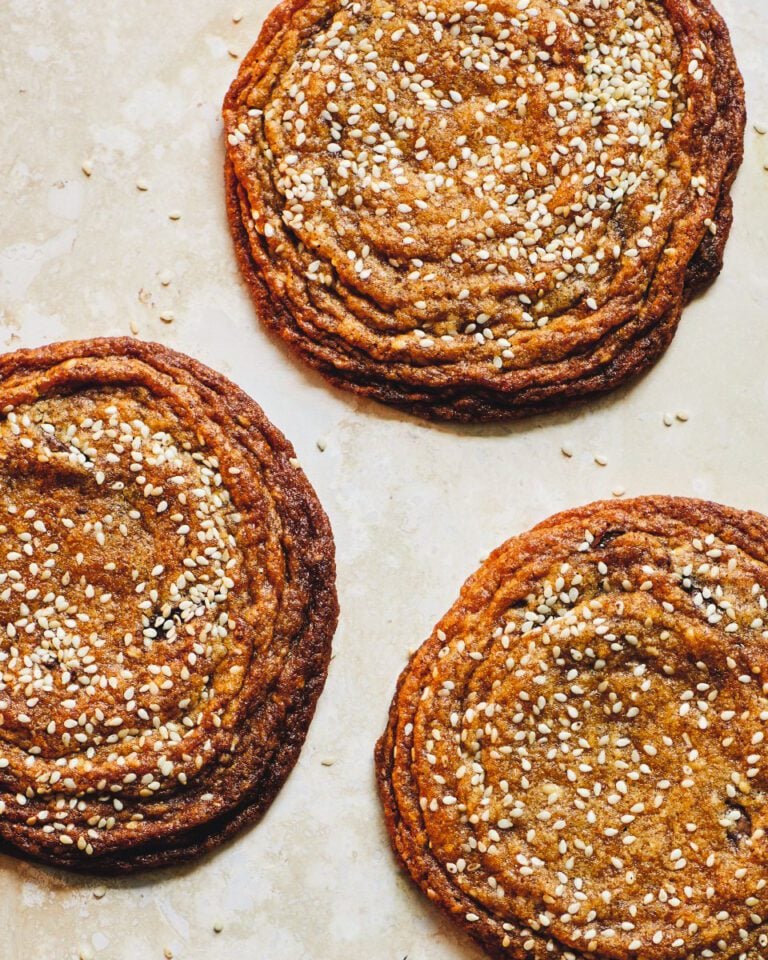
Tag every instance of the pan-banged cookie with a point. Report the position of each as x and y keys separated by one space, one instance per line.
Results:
x=575 y=761
x=477 y=211
x=167 y=604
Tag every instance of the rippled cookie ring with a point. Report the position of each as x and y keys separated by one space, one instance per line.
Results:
x=575 y=761
x=478 y=211
x=167 y=605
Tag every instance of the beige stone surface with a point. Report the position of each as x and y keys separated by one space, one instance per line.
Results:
x=134 y=89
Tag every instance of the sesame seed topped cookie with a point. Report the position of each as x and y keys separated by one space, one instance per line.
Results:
x=477 y=211
x=167 y=602
x=575 y=760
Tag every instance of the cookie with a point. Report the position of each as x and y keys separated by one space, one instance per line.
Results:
x=478 y=211
x=575 y=760
x=167 y=604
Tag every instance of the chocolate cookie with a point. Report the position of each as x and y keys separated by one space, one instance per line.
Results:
x=477 y=211
x=167 y=605
x=575 y=761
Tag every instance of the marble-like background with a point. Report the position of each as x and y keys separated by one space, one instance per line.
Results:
x=136 y=88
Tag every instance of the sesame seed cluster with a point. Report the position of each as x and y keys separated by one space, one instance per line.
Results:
x=575 y=760
x=482 y=209
x=162 y=570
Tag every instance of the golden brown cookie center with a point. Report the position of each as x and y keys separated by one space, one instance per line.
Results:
x=118 y=576
x=463 y=165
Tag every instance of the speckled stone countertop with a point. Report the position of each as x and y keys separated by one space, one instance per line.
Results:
x=133 y=92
